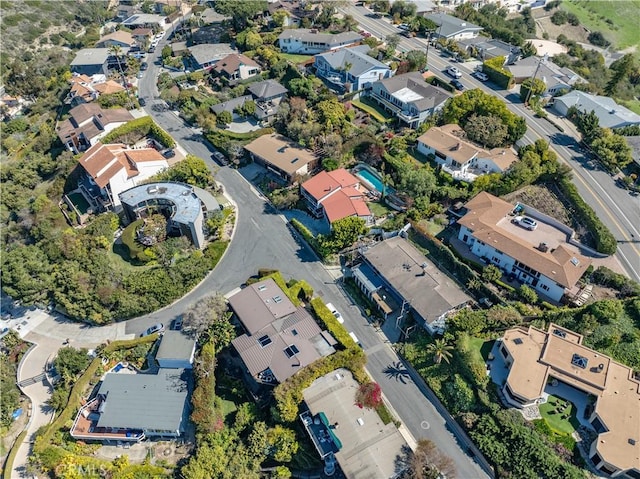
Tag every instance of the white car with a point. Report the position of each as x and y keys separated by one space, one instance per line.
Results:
x=335 y=312
x=454 y=72
x=481 y=76
x=526 y=222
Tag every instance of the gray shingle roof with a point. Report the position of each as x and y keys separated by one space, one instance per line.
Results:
x=267 y=89
x=92 y=56
x=606 y=109
x=175 y=345
x=209 y=52
x=449 y=26
x=307 y=35
x=145 y=401
x=431 y=96
x=356 y=56
x=549 y=72
x=230 y=105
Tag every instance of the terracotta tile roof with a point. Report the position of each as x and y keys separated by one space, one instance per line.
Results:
x=538 y=355
x=326 y=181
x=232 y=62
x=450 y=140
x=80 y=79
x=484 y=213
x=110 y=86
x=341 y=205
x=139 y=32
x=103 y=162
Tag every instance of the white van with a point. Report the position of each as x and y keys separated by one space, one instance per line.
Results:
x=355 y=338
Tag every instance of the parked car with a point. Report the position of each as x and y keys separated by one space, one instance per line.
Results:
x=144 y=66
x=481 y=76
x=403 y=26
x=485 y=302
x=152 y=48
x=457 y=85
x=454 y=72
x=220 y=158
x=525 y=222
x=364 y=33
x=355 y=338
x=142 y=101
x=169 y=153
x=156 y=328
x=335 y=312
x=176 y=324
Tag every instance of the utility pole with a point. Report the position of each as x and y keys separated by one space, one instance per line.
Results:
x=535 y=74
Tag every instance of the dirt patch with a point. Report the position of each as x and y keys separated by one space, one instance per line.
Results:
x=544 y=24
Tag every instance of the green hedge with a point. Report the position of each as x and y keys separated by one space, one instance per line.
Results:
x=307 y=235
x=336 y=329
x=8 y=463
x=279 y=279
x=435 y=81
x=605 y=241
x=494 y=69
x=231 y=135
x=300 y=289
x=137 y=129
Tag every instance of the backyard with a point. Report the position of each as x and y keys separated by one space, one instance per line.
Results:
x=560 y=415
x=369 y=107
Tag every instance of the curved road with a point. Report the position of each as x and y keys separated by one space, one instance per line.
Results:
x=619 y=211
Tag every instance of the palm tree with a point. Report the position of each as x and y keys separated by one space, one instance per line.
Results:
x=348 y=22
x=116 y=50
x=440 y=350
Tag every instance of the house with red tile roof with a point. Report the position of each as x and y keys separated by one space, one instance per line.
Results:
x=335 y=195
x=114 y=168
x=85 y=89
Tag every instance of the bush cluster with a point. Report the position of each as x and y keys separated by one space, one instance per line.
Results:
x=137 y=129
x=494 y=69
x=331 y=323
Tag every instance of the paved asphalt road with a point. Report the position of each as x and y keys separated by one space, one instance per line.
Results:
x=617 y=209
x=262 y=240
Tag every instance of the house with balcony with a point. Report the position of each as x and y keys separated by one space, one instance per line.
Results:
x=541 y=362
x=350 y=69
x=552 y=269
x=236 y=66
x=87 y=123
x=280 y=339
x=334 y=195
x=461 y=158
x=282 y=157
x=91 y=61
x=453 y=28
x=114 y=168
x=267 y=95
x=408 y=97
x=394 y=272
x=146 y=20
x=304 y=41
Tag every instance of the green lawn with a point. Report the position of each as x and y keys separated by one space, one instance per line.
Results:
x=228 y=407
x=483 y=346
x=433 y=227
x=379 y=209
x=372 y=109
x=633 y=105
x=297 y=59
x=622 y=26
x=555 y=419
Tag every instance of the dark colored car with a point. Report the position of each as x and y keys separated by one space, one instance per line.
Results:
x=457 y=85
x=142 y=101
x=144 y=66
x=168 y=153
x=220 y=158
x=176 y=324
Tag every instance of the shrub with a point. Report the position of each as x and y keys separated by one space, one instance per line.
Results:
x=307 y=235
x=494 y=68
x=135 y=249
x=369 y=395
x=606 y=277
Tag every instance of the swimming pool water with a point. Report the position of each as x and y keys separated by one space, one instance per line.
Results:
x=371 y=179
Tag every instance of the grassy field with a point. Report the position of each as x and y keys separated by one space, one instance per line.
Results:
x=378 y=208
x=297 y=59
x=555 y=420
x=618 y=21
x=633 y=105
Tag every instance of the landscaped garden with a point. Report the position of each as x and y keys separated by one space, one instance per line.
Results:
x=560 y=415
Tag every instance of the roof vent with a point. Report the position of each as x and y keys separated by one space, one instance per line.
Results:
x=575 y=261
x=152 y=190
x=600 y=367
x=631 y=441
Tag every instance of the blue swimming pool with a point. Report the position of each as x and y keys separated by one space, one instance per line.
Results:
x=371 y=179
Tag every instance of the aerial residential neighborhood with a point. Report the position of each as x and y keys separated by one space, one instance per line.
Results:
x=392 y=239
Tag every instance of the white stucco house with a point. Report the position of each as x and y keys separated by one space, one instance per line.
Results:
x=311 y=41
x=350 y=69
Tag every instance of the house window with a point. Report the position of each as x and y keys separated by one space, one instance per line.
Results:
x=277 y=299
x=262 y=287
x=545 y=287
x=495 y=260
x=504 y=352
x=465 y=238
x=291 y=351
x=294 y=332
x=264 y=341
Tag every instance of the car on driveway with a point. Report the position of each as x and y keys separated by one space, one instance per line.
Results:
x=169 y=153
x=481 y=76
x=156 y=328
x=457 y=85
x=454 y=72
x=335 y=313
x=525 y=222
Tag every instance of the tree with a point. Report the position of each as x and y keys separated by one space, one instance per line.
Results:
x=344 y=233
x=348 y=23
x=440 y=351
x=392 y=41
x=417 y=182
x=417 y=60
x=224 y=118
x=249 y=39
x=528 y=50
x=621 y=69
x=531 y=87
x=240 y=12
x=489 y=131
x=154 y=229
x=382 y=6
x=279 y=17
x=70 y=362
x=491 y=273
x=331 y=113
x=282 y=443
x=427 y=462
x=192 y=170
x=59 y=398
x=612 y=149
x=403 y=9
x=209 y=318
x=527 y=294
x=559 y=17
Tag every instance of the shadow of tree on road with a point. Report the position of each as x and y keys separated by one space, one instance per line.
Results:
x=397 y=371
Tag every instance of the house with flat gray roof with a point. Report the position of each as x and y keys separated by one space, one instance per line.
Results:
x=453 y=28
x=206 y=55
x=91 y=61
x=311 y=41
x=362 y=445
x=134 y=407
x=186 y=206
x=146 y=20
x=556 y=78
x=350 y=69
x=609 y=113
x=176 y=350
x=409 y=97
x=416 y=283
x=280 y=338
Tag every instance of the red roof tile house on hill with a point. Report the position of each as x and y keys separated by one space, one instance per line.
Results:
x=114 y=168
x=335 y=195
